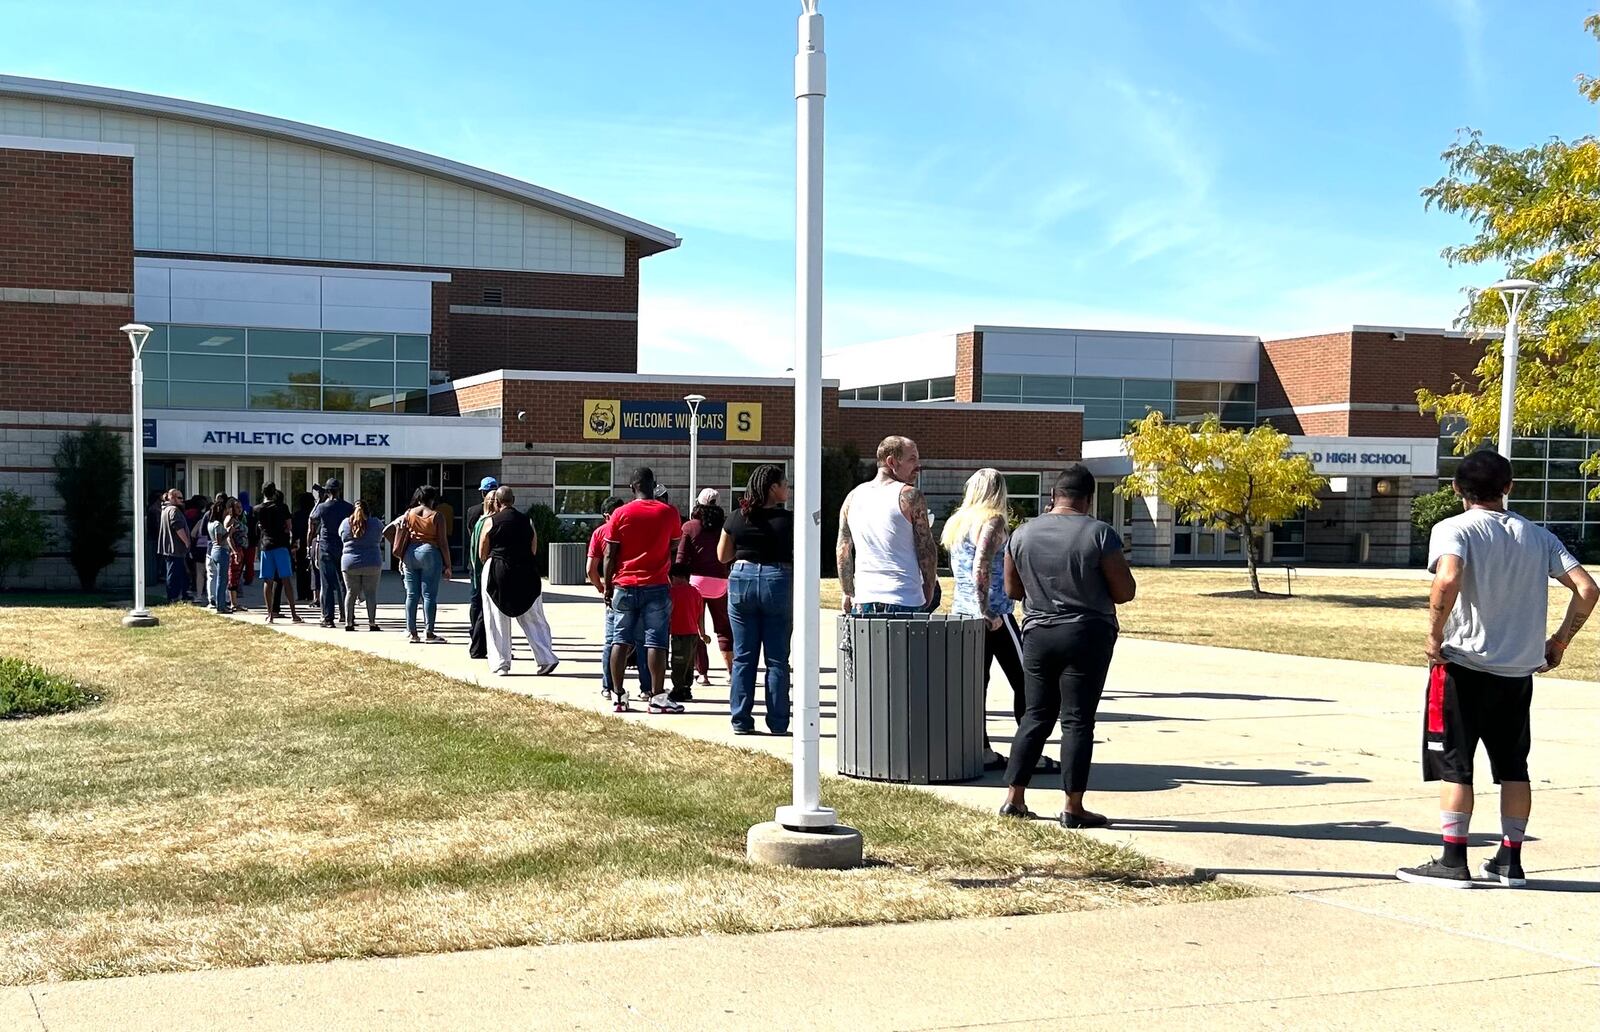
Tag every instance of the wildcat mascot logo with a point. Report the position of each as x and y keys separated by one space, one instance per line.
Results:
x=600 y=419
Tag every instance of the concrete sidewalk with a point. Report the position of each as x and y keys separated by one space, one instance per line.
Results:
x=1290 y=773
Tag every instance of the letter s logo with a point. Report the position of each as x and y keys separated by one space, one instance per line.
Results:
x=744 y=422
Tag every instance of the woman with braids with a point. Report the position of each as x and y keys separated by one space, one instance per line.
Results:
x=975 y=535
x=697 y=550
x=361 y=563
x=759 y=541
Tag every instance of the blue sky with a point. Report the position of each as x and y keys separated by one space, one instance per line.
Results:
x=1225 y=165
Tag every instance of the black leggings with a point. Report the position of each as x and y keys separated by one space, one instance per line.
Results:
x=1064 y=666
x=1005 y=645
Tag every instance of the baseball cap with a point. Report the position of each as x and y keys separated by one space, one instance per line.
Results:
x=488 y=484
x=332 y=484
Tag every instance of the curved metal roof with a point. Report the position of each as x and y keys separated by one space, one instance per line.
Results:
x=652 y=239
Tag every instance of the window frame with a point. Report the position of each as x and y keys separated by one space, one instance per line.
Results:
x=557 y=487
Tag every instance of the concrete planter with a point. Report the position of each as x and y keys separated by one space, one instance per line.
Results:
x=569 y=561
x=911 y=700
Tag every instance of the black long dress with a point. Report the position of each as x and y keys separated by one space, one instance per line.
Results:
x=513 y=579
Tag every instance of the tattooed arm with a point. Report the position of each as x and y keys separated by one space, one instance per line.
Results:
x=1584 y=596
x=1441 y=600
x=845 y=553
x=915 y=508
x=991 y=539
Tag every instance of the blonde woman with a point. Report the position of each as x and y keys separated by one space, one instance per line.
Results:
x=975 y=535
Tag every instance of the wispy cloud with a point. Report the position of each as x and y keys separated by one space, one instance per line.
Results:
x=1468 y=17
x=1234 y=22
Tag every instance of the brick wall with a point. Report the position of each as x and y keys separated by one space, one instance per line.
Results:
x=969 y=366
x=485 y=343
x=1306 y=371
x=1386 y=371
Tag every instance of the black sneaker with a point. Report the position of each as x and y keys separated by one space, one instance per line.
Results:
x=1509 y=874
x=1435 y=873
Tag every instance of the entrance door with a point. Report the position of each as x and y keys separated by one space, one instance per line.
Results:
x=210 y=479
x=372 y=487
x=1196 y=542
x=248 y=477
x=294 y=480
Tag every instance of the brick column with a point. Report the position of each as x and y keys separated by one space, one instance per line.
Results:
x=969 y=366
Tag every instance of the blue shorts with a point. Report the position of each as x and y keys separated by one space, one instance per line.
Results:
x=276 y=564
x=642 y=615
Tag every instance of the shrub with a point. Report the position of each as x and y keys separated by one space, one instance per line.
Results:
x=23 y=533
x=552 y=529
x=842 y=470
x=92 y=479
x=1427 y=510
x=30 y=691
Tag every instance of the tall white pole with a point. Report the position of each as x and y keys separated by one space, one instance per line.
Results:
x=138 y=616
x=693 y=401
x=1508 y=375
x=810 y=87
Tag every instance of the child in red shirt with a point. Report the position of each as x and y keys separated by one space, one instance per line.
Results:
x=688 y=631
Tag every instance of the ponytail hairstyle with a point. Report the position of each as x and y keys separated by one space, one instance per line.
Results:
x=358 y=520
x=762 y=480
x=219 y=507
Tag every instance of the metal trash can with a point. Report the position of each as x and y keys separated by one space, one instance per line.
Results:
x=569 y=562
x=911 y=699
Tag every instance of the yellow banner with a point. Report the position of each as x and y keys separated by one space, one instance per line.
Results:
x=744 y=421
x=600 y=419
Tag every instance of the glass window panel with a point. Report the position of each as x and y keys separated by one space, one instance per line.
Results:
x=286 y=343
x=1182 y=542
x=411 y=374
x=1527 y=469
x=1238 y=411
x=1527 y=447
x=157 y=341
x=1565 y=469
x=579 y=502
x=1096 y=409
x=414 y=401
x=1564 y=511
x=1057 y=387
x=1147 y=390
x=892 y=392
x=358 y=345
x=1557 y=490
x=1230 y=545
x=1002 y=386
x=1186 y=409
x=206 y=340
x=1021 y=485
x=298 y=371
x=357 y=374
x=1138 y=409
x=1023 y=508
x=583 y=473
x=943 y=387
x=183 y=394
x=410 y=347
x=358 y=399
x=1198 y=390
x=917 y=390
x=154 y=366
x=1097 y=387
x=1563 y=449
x=155 y=394
x=1534 y=510
x=867 y=393
x=1037 y=399
x=213 y=368
x=1206 y=542
x=1103 y=429
x=1237 y=392
x=285 y=396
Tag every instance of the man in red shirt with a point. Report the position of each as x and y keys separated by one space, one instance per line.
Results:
x=597 y=556
x=641 y=539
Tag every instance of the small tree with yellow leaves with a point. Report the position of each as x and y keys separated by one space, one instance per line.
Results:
x=1231 y=480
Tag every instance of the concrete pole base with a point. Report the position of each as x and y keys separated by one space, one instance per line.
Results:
x=140 y=620
x=833 y=849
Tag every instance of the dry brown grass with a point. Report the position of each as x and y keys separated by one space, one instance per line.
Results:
x=244 y=798
x=1372 y=619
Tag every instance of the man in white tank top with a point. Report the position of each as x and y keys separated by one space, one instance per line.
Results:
x=888 y=561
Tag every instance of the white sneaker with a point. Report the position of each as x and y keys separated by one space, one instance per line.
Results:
x=660 y=703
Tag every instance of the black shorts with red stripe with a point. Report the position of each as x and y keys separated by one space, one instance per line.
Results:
x=1466 y=706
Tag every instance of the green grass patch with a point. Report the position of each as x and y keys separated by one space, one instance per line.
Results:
x=27 y=690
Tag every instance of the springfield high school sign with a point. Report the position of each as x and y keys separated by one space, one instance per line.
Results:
x=614 y=419
x=1357 y=456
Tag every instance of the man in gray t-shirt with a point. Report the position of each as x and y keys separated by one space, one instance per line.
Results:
x=1486 y=640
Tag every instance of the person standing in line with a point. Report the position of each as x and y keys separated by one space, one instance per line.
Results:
x=511 y=586
x=277 y=566
x=477 y=524
x=238 y=550
x=1068 y=570
x=697 y=550
x=172 y=544
x=597 y=555
x=1488 y=617
x=975 y=535
x=640 y=544
x=216 y=537
x=197 y=511
x=325 y=522
x=361 y=562
x=313 y=548
x=759 y=541
x=252 y=543
x=888 y=560
x=688 y=631
x=425 y=558
x=300 y=547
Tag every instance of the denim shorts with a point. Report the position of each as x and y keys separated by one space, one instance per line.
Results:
x=276 y=564
x=643 y=615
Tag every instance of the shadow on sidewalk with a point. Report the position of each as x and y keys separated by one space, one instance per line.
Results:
x=1212 y=696
x=1327 y=831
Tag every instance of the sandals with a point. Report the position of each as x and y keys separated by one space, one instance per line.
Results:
x=1047 y=766
x=994 y=761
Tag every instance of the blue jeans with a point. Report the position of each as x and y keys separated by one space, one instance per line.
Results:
x=177 y=576
x=638 y=657
x=644 y=615
x=761 y=609
x=884 y=609
x=217 y=569
x=333 y=601
x=424 y=566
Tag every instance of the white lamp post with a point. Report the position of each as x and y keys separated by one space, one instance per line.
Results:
x=138 y=616
x=1513 y=292
x=694 y=401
